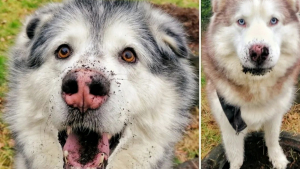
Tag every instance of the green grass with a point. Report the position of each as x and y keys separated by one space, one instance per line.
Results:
x=206 y=13
x=210 y=133
x=3 y=61
x=12 y=13
x=6 y=144
x=188 y=147
x=181 y=3
x=202 y=79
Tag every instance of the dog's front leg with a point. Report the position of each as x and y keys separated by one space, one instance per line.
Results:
x=272 y=131
x=233 y=144
x=38 y=148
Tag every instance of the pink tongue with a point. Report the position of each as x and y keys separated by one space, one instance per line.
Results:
x=72 y=146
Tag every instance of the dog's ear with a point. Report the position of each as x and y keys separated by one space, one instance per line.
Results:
x=295 y=5
x=169 y=35
x=31 y=27
x=217 y=5
x=34 y=22
x=214 y=5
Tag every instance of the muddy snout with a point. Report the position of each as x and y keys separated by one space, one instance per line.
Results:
x=85 y=89
x=259 y=53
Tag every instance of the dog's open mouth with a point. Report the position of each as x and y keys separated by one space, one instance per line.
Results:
x=83 y=148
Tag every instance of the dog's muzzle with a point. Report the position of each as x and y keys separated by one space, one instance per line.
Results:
x=259 y=56
x=85 y=89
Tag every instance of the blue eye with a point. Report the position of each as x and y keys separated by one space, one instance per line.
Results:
x=273 y=21
x=241 y=22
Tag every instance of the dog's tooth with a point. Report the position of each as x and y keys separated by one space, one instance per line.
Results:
x=69 y=130
x=66 y=153
x=101 y=160
x=109 y=136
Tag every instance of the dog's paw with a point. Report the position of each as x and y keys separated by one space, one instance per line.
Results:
x=236 y=160
x=236 y=165
x=279 y=163
x=278 y=159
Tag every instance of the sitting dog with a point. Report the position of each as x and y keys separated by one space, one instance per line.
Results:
x=251 y=61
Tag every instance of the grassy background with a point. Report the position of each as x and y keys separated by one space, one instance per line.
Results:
x=12 y=13
x=210 y=133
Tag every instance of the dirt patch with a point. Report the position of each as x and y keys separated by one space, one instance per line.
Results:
x=256 y=153
x=256 y=156
x=189 y=17
x=192 y=164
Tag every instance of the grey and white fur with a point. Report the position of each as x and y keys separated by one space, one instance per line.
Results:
x=148 y=101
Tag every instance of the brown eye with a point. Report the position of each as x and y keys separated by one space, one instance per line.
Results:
x=128 y=55
x=63 y=51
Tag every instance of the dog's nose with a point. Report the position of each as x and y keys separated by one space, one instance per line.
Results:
x=85 y=89
x=258 y=53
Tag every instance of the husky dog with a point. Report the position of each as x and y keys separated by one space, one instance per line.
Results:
x=99 y=84
x=251 y=61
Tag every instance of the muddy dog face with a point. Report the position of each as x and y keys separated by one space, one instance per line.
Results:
x=98 y=69
x=255 y=30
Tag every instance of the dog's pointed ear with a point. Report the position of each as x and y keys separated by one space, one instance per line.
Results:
x=169 y=35
x=214 y=5
x=295 y=5
x=34 y=22
x=217 y=5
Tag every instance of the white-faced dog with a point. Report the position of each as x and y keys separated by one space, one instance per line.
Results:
x=251 y=61
x=99 y=84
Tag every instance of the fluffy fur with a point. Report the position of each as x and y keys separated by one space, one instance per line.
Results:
x=149 y=100
x=263 y=97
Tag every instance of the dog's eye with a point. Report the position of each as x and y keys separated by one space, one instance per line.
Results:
x=273 y=21
x=63 y=51
x=241 y=22
x=128 y=55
